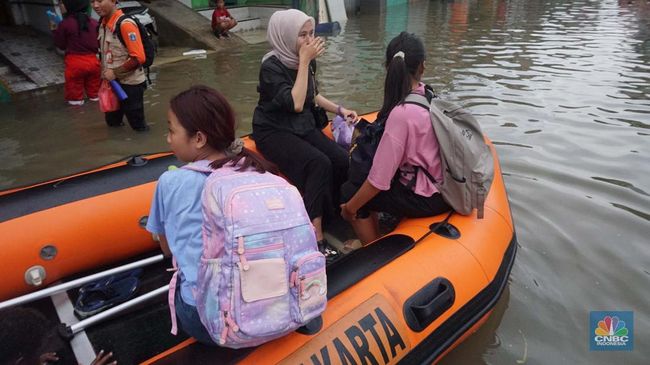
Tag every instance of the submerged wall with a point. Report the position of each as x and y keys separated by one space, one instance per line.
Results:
x=32 y=13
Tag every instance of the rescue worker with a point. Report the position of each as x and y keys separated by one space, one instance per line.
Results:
x=122 y=61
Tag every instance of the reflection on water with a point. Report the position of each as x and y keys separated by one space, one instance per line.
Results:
x=561 y=87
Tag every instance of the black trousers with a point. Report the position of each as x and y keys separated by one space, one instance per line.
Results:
x=399 y=201
x=132 y=107
x=314 y=163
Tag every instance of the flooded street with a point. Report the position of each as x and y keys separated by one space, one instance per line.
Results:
x=561 y=87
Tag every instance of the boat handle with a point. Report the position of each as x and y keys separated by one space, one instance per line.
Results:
x=428 y=303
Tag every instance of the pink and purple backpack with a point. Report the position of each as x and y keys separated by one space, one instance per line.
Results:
x=261 y=275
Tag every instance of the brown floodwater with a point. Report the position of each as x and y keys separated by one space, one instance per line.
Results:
x=561 y=87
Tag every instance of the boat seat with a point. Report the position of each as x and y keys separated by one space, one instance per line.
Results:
x=360 y=263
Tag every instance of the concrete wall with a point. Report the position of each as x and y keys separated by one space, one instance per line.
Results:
x=352 y=7
x=33 y=13
x=170 y=35
x=263 y=13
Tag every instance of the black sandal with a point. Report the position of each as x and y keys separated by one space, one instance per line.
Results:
x=329 y=251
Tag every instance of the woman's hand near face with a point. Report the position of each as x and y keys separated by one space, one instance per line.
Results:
x=311 y=50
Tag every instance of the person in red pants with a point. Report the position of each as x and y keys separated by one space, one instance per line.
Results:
x=77 y=35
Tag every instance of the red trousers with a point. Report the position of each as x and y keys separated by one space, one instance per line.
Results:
x=82 y=72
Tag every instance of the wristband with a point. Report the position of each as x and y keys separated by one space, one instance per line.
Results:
x=338 y=111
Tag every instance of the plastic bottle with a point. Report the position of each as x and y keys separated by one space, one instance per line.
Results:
x=117 y=89
x=54 y=17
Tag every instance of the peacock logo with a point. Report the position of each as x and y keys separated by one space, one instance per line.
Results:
x=611 y=330
x=611 y=326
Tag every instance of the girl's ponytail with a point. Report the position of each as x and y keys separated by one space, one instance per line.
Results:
x=404 y=55
x=78 y=9
x=250 y=159
x=397 y=84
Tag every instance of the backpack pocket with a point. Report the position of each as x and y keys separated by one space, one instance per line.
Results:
x=263 y=279
x=261 y=290
x=207 y=295
x=309 y=283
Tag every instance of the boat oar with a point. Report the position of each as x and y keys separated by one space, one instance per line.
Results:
x=78 y=282
x=69 y=331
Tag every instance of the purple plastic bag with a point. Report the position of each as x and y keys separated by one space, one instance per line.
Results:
x=342 y=131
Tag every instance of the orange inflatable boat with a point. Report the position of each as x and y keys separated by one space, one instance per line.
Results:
x=409 y=297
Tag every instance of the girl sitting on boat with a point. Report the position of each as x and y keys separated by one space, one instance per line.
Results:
x=201 y=131
x=397 y=183
x=284 y=125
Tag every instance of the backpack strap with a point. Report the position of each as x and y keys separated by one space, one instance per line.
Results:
x=198 y=168
x=118 y=25
x=118 y=33
x=147 y=72
x=427 y=173
x=423 y=101
x=417 y=99
x=171 y=296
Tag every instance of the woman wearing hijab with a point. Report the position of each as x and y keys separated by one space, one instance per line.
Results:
x=77 y=35
x=284 y=127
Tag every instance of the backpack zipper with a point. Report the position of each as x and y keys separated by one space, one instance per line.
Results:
x=228 y=323
x=293 y=279
x=241 y=251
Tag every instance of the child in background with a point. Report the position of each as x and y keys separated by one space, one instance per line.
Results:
x=77 y=35
x=222 y=21
x=202 y=132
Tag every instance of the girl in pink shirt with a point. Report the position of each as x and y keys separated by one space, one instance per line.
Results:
x=407 y=153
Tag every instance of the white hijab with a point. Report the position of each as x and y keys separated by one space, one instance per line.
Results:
x=282 y=35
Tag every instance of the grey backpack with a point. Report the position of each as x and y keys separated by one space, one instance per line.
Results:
x=467 y=163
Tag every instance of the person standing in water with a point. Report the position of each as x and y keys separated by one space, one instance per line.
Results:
x=122 y=62
x=77 y=36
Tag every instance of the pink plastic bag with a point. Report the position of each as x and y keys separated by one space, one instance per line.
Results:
x=108 y=101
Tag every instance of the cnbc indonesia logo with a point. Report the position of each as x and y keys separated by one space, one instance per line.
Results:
x=611 y=331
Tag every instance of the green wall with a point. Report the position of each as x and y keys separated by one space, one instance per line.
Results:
x=203 y=4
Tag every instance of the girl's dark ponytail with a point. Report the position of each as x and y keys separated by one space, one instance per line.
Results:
x=78 y=9
x=82 y=20
x=396 y=86
x=404 y=55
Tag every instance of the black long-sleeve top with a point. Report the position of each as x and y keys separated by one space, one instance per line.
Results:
x=275 y=110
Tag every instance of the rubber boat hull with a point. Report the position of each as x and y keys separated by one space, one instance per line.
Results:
x=410 y=297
